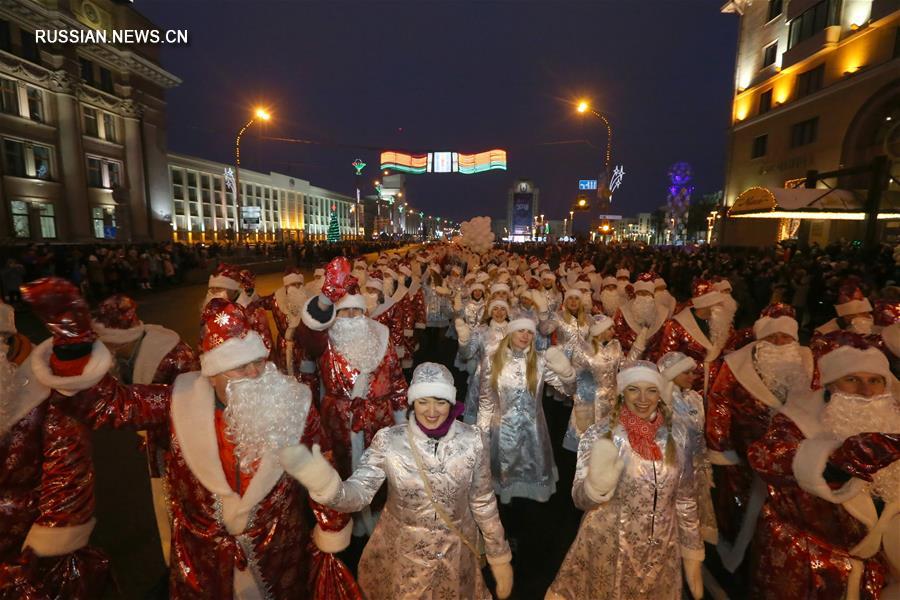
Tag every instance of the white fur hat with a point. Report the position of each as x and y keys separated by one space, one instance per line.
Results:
x=522 y=323
x=639 y=371
x=499 y=287
x=350 y=301
x=601 y=323
x=495 y=303
x=431 y=380
x=844 y=360
x=673 y=364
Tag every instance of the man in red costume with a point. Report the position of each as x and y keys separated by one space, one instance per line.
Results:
x=701 y=330
x=752 y=384
x=363 y=383
x=829 y=459
x=639 y=320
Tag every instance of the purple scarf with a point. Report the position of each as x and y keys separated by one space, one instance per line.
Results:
x=442 y=429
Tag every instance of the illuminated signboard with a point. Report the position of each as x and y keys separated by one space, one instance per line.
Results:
x=444 y=162
x=522 y=217
x=587 y=184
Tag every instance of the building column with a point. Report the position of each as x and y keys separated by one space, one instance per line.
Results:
x=74 y=213
x=136 y=199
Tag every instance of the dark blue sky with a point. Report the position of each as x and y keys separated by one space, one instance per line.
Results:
x=461 y=75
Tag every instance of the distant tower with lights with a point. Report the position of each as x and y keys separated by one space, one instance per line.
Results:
x=522 y=206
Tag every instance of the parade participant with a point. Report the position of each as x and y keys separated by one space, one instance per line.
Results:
x=596 y=362
x=425 y=545
x=13 y=345
x=472 y=310
x=610 y=296
x=639 y=320
x=570 y=324
x=663 y=297
x=854 y=312
x=623 y=283
x=239 y=525
x=721 y=284
x=437 y=311
x=533 y=305
x=829 y=458
x=634 y=479
x=701 y=330
x=387 y=310
x=314 y=286
x=511 y=415
x=145 y=354
x=553 y=295
x=752 y=384
x=475 y=344
x=363 y=385
x=248 y=288
x=678 y=373
x=500 y=291
x=225 y=282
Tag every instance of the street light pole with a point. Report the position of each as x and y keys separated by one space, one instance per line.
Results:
x=265 y=116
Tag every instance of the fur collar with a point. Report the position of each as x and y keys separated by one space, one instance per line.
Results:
x=157 y=343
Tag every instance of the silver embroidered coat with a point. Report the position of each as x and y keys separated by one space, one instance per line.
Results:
x=437 y=307
x=412 y=554
x=688 y=405
x=472 y=311
x=630 y=548
x=595 y=386
x=569 y=334
x=482 y=342
x=554 y=298
x=513 y=420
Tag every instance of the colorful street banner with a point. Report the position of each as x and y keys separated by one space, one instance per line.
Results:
x=444 y=162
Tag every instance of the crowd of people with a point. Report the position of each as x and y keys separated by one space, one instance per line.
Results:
x=733 y=416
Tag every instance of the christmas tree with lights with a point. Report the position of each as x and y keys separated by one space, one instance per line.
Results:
x=334 y=232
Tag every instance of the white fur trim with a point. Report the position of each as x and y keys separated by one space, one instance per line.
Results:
x=638 y=374
x=722 y=286
x=193 y=424
x=523 y=323
x=431 y=389
x=311 y=322
x=809 y=465
x=157 y=343
x=726 y=458
x=110 y=335
x=600 y=326
x=623 y=273
x=740 y=363
x=766 y=326
x=685 y=364
x=374 y=282
x=644 y=286
x=846 y=359
x=292 y=278
x=58 y=541
x=351 y=301
x=332 y=542
x=96 y=368
x=707 y=299
x=658 y=320
x=499 y=287
x=853 y=307
x=495 y=303
x=31 y=393
x=891 y=337
x=233 y=353
x=220 y=281
x=572 y=293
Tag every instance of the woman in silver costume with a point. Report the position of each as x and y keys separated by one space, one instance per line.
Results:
x=596 y=362
x=439 y=506
x=475 y=343
x=511 y=415
x=569 y=326
x=634 y=480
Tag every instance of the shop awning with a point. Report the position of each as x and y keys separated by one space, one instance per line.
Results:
x=802 y=203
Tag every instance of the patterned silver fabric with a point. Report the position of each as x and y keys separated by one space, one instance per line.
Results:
x=473 y=312
x=569 y=334
x=483 y=341
x=630 y=548
x=429 y=372
x=437 y=308
x=595 y=387
x=688 y=406
x=554 y=299
x=512 y=419
x=412 y=554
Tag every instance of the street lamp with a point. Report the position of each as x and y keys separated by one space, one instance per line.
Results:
x=263 y=115
x=584 y=107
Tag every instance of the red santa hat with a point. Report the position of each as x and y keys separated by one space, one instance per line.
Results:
x=227 y=341
x=841 y=353
x=776 y=318
x=623 y=273
x=721 y=284
x=659 y=282
x=292 y=275
x=59 y=304
x=600 y=324
x=375 y=280
x=886 y=313
x=7 y=318
x=638 y=371
x=351 y=299
x=609 y=281
x=117 y=321
x=704 y=294
x=248 y=279
x=645 y=283
x=431 y=380
x=851 y=301
x=405 y=269
x=225 y=276
x=673 y=364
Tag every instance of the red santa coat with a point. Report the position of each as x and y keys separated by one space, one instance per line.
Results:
x=290 y=355
x=224 y=545
x=682 y=334
x=391 y=314
x=814 y=541
x=47 y=485
x=626 y=329
x=739 y=411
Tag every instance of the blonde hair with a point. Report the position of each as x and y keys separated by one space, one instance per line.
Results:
x=667 y=418
x=581 y=317
x=498 y=361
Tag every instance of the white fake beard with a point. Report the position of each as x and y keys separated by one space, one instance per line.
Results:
x=851 y=414
x=357 y=341
x=210 y=296
x=644 y=309
x=264 y=414
x=730 y=303
x=611 y=300
x=296 y=299
x=862 y=325
x=720 y=324
x=781 y=368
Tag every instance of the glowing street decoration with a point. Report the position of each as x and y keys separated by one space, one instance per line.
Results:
x=359 y=166
x=444 y=162
x=229 y=179
x=618 y=174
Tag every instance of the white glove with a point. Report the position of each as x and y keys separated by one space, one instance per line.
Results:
x=503 y=575
x=442 y=290
x=462 y=331
x=323 y=301
x=457 y=303
x=694 y=576
x=559 y=364
x=540 y=300
x=312 y=470
x=604 y=469
x=641 y=340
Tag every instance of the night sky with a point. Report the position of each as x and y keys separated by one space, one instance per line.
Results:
x=469 y=75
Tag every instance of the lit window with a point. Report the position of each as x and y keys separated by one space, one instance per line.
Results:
x=9 y=97
x=20 y=219
x=35 y=104
x=48 y=221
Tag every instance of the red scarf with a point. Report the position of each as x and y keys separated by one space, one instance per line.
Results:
x=642 y=434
